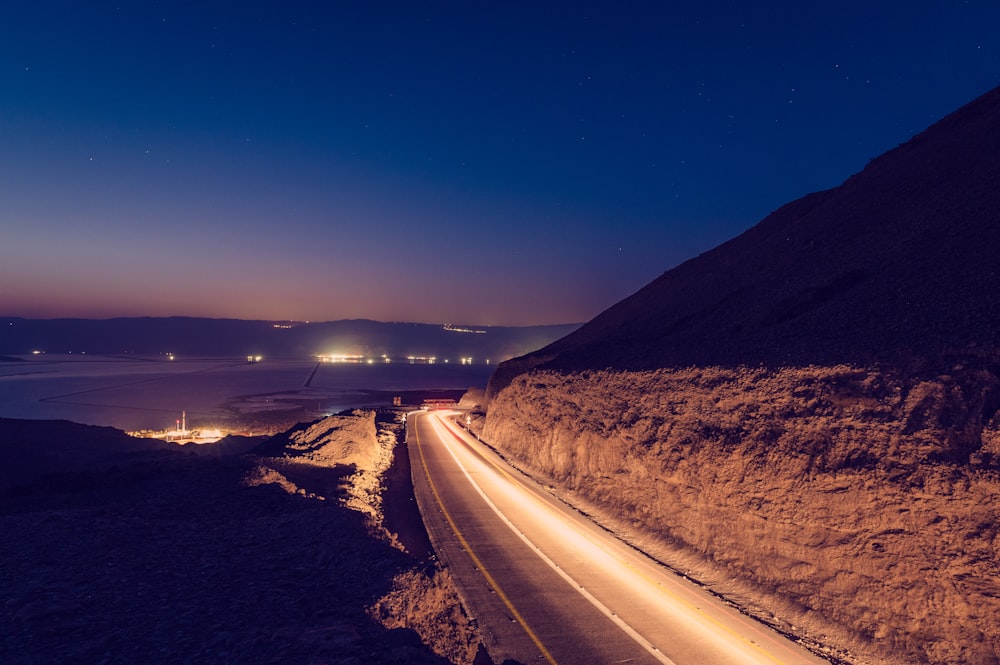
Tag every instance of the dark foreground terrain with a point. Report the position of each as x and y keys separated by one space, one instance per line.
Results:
x=118 y=550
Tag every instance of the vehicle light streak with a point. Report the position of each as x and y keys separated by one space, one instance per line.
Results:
x=479 y=564
x=662 y=596
x=644 y=643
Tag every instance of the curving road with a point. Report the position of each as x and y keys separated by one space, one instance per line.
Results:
x=548 y=585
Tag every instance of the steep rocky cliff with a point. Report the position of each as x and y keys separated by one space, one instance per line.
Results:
x=807 y=414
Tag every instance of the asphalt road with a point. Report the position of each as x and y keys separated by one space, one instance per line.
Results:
x=545 y=584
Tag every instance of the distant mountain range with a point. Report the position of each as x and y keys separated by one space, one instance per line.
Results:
x=233 y=337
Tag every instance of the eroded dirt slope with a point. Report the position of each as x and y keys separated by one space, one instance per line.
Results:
x=845 y=505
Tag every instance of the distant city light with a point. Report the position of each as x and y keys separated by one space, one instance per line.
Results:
x=341 y=358
x=475 y=331
x=254 y=359
x=386 y=359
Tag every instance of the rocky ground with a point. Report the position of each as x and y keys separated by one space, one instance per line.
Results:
x=118 y=550
x=854 y=508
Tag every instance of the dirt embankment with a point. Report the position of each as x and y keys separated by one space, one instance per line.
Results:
x=140 y=554
x=855 y=508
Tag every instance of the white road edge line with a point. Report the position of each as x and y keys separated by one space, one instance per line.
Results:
x=601 y=607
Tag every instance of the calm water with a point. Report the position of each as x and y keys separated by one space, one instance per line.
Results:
x=150 y=392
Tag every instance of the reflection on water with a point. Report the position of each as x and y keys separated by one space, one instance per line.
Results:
x=134 y=392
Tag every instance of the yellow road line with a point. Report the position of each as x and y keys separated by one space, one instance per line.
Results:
x=476 y=560
x=751 y=627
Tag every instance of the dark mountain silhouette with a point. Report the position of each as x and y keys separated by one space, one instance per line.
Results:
x=232 y=337
x=899 y=264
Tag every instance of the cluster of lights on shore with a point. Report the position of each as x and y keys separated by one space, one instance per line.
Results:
x=349 y=359
x=385 y=359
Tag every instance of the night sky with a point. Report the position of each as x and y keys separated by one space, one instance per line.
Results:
x=466 y=162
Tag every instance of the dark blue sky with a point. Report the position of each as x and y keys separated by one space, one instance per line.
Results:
x=503 y=163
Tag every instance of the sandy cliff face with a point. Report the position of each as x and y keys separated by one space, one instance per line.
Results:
x=839 y=499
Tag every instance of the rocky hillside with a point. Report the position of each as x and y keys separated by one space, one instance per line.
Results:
x=898 y=265
x=807 y=415
x=118 y=550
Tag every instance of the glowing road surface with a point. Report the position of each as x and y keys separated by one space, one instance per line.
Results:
x=545 y=584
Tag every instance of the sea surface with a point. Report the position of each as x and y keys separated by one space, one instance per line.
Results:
x=152 y=392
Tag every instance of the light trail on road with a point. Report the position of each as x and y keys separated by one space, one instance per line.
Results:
x=671 y=620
